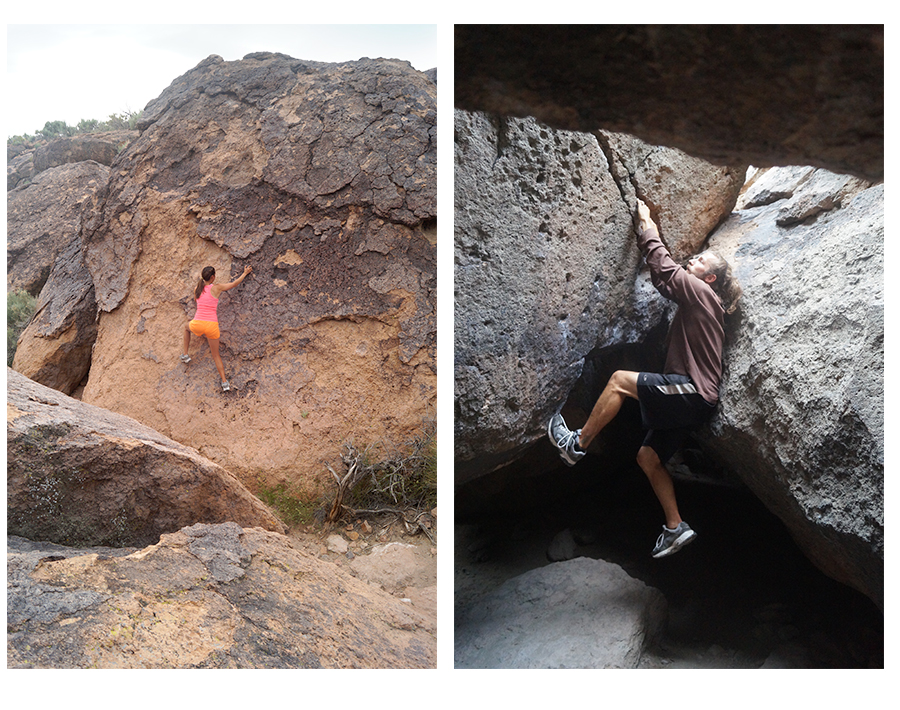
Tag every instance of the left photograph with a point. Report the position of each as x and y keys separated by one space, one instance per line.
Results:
x=221 y=346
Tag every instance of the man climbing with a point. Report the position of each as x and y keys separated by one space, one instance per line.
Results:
x=686 y=393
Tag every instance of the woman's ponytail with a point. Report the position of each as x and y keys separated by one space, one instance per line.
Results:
x=207 y=273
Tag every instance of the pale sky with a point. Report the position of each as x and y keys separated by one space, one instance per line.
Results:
x=74 y=72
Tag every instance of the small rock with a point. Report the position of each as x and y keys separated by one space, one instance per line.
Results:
x=336 y=543
x=562 y=547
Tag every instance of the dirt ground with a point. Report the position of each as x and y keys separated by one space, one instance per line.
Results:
x=384 y=551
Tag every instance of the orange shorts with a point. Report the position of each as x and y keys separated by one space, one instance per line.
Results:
x=209 y=328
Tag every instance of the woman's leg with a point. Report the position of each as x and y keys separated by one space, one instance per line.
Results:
x=214 y=349
x=187 y=340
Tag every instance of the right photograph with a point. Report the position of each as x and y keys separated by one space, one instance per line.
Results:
x=669 y=346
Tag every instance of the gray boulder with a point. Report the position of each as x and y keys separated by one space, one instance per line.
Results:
x=43 y=218
x=55 y=347
x=801 y=418
x=581 y=613
x=547 y=268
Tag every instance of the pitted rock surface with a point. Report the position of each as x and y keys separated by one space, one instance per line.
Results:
x=548 y=270
x=730 y=94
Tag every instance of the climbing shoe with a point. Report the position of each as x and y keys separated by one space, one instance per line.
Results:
x=185 y=359
x=565 y=440
x=671 y=541
x=226 y=387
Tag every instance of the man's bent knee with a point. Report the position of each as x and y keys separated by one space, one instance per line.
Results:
x=625 y=382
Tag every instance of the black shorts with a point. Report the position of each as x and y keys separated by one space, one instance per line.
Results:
x=670 y=408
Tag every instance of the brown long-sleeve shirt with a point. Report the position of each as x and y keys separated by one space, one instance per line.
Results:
x=697 y=334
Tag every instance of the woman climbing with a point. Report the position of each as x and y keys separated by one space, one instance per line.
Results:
x=206 y=323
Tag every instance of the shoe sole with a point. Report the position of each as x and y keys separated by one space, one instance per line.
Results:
x=686 y=537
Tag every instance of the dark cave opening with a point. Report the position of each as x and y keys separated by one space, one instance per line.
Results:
x=743 y=586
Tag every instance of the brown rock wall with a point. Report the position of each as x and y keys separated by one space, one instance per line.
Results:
x=322 y=178
x=43 y=218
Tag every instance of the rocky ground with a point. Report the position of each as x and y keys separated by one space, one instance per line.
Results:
x=222 y=596
x=403 y=564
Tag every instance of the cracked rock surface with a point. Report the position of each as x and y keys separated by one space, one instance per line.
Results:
x=322 y=178
x=207 y=596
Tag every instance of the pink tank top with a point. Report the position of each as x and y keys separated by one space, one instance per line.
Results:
x=206 y=306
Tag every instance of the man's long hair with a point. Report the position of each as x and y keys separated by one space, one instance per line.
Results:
x=725 y=285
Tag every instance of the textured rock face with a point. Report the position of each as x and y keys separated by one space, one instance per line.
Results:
x=547 y=268
x=206 y=596
x=582 y=613
x=687 y=196
x=78 y=474
x=99 y=147
x=43 y=218
x=19 y=169
x=322 y=178
x=789 y=95
x=802 y=411
x=55 y=349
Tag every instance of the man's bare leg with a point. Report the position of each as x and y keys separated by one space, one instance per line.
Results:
x=622 y=384
x=661 y=482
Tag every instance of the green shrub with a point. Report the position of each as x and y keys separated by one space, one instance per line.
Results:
x=60 y=129
x=20 y=306
x=293 y=509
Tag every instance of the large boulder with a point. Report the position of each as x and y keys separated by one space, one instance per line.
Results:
x=688 y=197
x=322 y=178
x=731 y=94
x=547 y=268
x=19 y=169
x=582 y=613
x=99 y=147
x=205 y=596
x=55 y=348
x=43 y=218
x=81 y=475
x=801 y=418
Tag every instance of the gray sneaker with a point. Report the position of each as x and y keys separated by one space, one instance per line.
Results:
x=565 y=440
x=671 y=541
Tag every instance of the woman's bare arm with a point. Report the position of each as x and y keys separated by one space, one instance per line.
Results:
x=218 y=288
